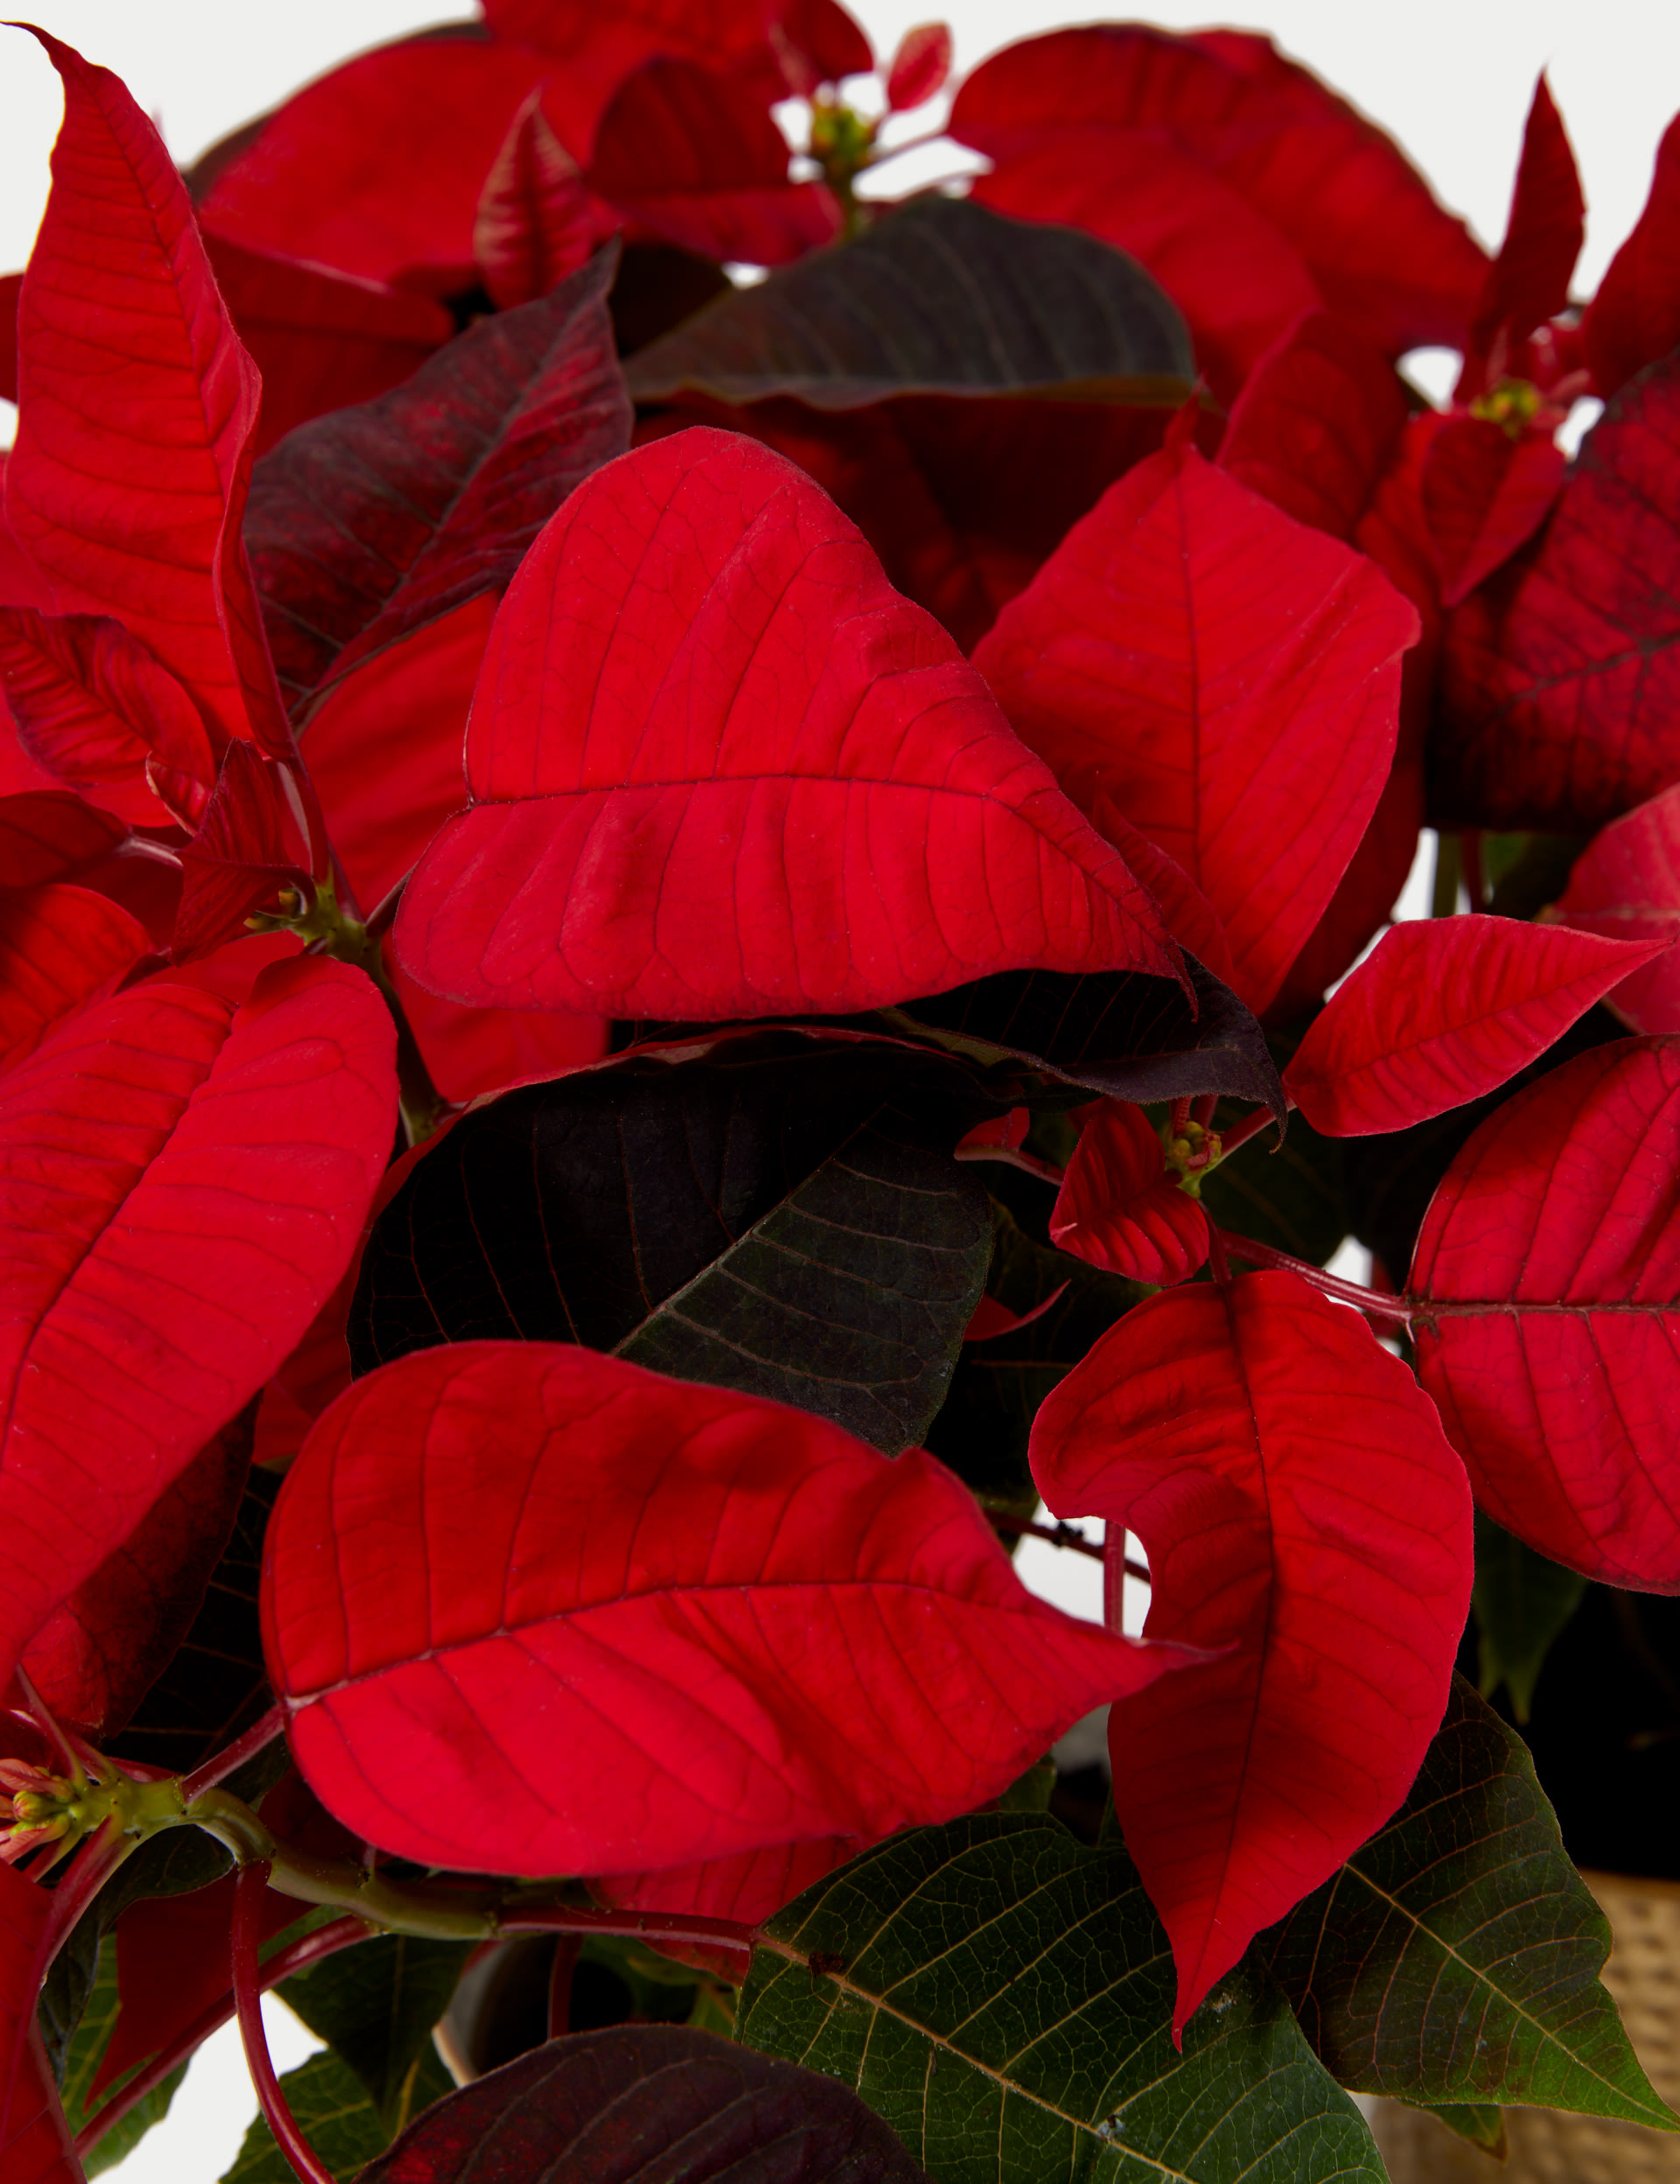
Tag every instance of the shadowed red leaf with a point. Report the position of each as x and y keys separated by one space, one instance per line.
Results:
x=1625 y=884
x=60 y=948
x=1528 y=283
x=138 y=404
x=536 y=220
x=1231 y=678
x=720 y=768
x=51 y=834
x=250 y=845
x=1118 y=1208
x=1635 y=319
x=1299 y=1504
x=1444 y=1010
x=1548 y=1329
x=1190 y=917
x=145 y=1306
x=1485 y=494
x=919 y=67
x=35 y=2141
x=755 y=1626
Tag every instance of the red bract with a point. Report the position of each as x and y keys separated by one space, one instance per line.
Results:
x=1120 y=1209
x=1635 y=319
x=53 y=835
x=143 y=1308
x=720 y=768
x=919 y=67
x=748 y=1886
x=251 y=843
x=1229 y=677
x=1485 y=493
x=1528 y=282
x=34 y=2139
x=537 y=219
x=1545 y=1326
x=1299 y=1504
x=757 y=1628
x=129 y=499
x=1445 y=1010
x=60 y=948
x=1626 y=886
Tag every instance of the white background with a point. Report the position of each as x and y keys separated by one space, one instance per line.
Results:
x=1449 y=78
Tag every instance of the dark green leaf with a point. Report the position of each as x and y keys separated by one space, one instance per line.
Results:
x=782 y=1216
x=1527 y=871
x=67 y=1991
x=86 y=2052
x=982 y=1429
x=1290 y=1198
x=334 y=2113
x=215 y=1687
x=1002 y=1996
x=1119 y=1032
x=943 y=297
x=1522 y=1602
x=375 y=2006
x=647 y=2105
x=1481 y=2126
x=1456 y=1958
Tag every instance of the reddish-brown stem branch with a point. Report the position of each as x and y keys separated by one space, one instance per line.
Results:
x=325 y=1941
x=1217 y=1265
x=1028 y=1163
x=1246 y=1126
x=1332 y=1285
x=232 y=1757
x=674 y=1929
x=1065 y=1536
x=247 y=2006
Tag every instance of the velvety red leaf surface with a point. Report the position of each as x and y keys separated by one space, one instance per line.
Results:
x=1625 y=884
x=1299 y=1504
x=60 y=948
x=1337 y=194
x=920 y=65
x=376 y=167
x=1548 y=1268
x=1316 y=426
x=1444 y=1010
x=1190 y=917
x=1230 y=677
x=34 y=2138
x=21 y=582
x=1559 y=681
x=1484 y=495
x=1528 y=283
x=748 y=1887
x=144 y=1304
x=137 y=403
x=368 y=524
x=698 y=160
x=1635 y=319
x=754 y=1627
x=1119 y=1207
x=537 y=219
x=100 y=1652
x=51 y=834
x=92 y=707
x=468 y=1051
x=720 y=768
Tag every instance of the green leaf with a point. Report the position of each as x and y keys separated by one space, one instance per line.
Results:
x=944 y=297
x=86 y=2051
x=1480 y=2126
x=1522 y=1603
x=781 y=1214
x=1002 y=1997
x=1455 y=1958
x=332 y=2109
x=375 y=2006
x=995 y=1390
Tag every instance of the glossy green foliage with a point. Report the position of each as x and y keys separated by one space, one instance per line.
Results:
x=1001 y=1995
x=375 y=2006
x=1456 y=1959
x=332 y=2107
x=83 y=2059
x=1522 y=1602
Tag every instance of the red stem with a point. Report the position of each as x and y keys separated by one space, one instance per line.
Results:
x=1369 y=1301
x=1065 y=1536
x=325 y=1941
x=1216 y=1261
x=1027 y=1162
x=217 y=1768
x=1201 y=1108
x=248 y=2004
x=1247 y=1126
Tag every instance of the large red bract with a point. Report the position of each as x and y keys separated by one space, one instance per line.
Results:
x=34 y=2138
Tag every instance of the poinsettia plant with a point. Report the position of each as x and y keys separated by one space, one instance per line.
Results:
x=663 y=962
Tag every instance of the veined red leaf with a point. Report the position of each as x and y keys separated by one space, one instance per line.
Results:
x=143 y=1308
x=35 y=2141
x=1484 y=495
x=1332 y=188
x=1547 y=1326
x=250 y=845
x=1635 y=319
x=1317 y=424
x=469 y=1051
x=750 y=1888
x=60 y=948
x=1191 y=919
x=1528 y=283
x=375 y=168
x=1559 y=681
x=137 y=403
x=698 y=159
x=1231 y=679
x=92 y=707
x=1299 y=1504
x=1625 y=884
x=368 y=523
x=1444 y=1010
x=792 y=820
x=1119 y=1209
x=758 y=1628
x=321 y=339
x=50 y=835
x=21 y=582
x=919 y=67
x=538 y=221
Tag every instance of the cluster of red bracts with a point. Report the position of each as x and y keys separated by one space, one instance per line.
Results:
x=718 y=767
